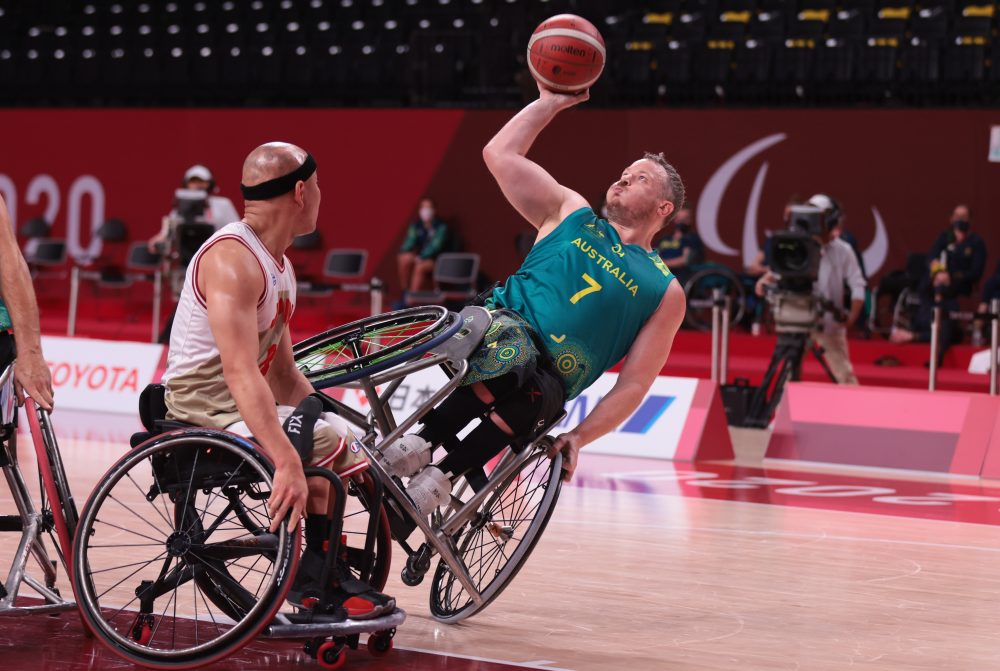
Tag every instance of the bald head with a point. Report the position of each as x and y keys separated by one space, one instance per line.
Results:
x=271 y=160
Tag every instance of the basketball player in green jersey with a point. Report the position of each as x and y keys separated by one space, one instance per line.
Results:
x=590 y=292
x=19 y=310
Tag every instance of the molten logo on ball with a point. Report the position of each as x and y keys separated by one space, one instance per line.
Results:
x=566 y=54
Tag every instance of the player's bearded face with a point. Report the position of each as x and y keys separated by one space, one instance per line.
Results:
x=625 y=210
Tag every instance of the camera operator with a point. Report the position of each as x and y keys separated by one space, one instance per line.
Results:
x=837 y=267
x=217 y=210
x=197 y=207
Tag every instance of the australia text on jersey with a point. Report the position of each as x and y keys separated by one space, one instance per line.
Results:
x=607 y=265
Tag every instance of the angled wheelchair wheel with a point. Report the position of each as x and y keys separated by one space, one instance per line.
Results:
x=174 y=563
x=57 y=502
x=373 y=344
x=699 y=290
x=498 y=540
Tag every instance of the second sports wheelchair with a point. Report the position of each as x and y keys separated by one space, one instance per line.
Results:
x=175 y=567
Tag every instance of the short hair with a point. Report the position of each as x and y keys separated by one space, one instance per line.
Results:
x=674 y=191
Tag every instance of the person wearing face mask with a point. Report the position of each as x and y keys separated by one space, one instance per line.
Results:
x=956 y=263
x=683 y=248
x=426 y=237
x=960 y=252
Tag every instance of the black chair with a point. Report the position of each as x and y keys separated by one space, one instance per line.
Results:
x=35 y=228
x=46 y=253
x=342 y=268
x=455 y=277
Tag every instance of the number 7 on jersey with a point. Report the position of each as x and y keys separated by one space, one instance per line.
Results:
x=592 y=286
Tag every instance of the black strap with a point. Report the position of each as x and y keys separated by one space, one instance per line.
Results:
x=273 y=188
x=299 y=426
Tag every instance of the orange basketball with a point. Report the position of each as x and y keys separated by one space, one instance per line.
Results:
x=566 y=53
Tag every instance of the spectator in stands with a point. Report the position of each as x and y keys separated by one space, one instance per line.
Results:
x=957 y=261
x=961 y=252
x=920 y=322
x=683 y=247
x=19 y=311
x=838 y=268
x=219 y=210
x=426 y=237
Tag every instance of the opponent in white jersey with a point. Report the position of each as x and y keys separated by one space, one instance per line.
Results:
x=197 y=392
x=230 y=363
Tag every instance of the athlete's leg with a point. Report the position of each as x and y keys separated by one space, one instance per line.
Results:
x=334 y=447
x=404 y=263
x=422 y=272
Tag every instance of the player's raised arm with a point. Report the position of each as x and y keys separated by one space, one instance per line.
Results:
x=530 y=189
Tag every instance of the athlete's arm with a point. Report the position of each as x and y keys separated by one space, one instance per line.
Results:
x=288 y=384
x=644 y=361
x=31 y=374
x=231 y=281
x=533 y=192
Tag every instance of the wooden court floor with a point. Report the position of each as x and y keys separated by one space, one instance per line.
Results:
x=653 y=565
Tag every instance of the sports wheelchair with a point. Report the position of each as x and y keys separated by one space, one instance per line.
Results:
x=496 y=515
x=174 y=562
x=55 y=517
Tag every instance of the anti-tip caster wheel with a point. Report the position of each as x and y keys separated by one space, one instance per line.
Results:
x=331 y=655
x=380 y=643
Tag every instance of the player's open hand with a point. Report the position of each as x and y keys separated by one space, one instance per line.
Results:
x=569 y=444
x=33 y=378
x=289 y=494
x=562 y=100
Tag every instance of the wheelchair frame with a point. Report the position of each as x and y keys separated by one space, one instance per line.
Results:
x=441 y=529
x=57 y=514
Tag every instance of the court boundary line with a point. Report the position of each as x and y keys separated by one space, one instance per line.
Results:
x=522 y=665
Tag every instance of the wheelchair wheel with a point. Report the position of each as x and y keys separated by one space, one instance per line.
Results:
x=373 y=344
x=699 y=289
x=498 y=540
x=174 y=564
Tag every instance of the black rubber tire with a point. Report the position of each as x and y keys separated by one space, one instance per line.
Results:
x=448 y=605
x=93 y=532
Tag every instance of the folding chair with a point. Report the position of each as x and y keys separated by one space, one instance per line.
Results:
x=455 y=276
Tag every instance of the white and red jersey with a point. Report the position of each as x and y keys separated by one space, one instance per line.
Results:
x=196 y=390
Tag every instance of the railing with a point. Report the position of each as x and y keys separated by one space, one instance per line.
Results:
x=721 y=306
x=992 y=316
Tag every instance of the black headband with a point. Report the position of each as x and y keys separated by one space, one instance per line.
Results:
x=273 y=188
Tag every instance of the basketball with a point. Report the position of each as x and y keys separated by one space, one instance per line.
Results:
x=566 y=53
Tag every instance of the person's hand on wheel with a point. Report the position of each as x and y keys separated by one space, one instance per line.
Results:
x=289 y=494
x=569 y=444
x=33 y=378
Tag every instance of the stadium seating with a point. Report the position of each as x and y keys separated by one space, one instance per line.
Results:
x=472 y=52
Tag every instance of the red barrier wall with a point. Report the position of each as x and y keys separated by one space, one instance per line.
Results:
x=910 y=166
x=941 y=431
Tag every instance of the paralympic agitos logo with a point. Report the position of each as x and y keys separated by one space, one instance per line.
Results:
x=707 y=212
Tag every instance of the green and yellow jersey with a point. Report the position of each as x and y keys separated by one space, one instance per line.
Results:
x=586 y=294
